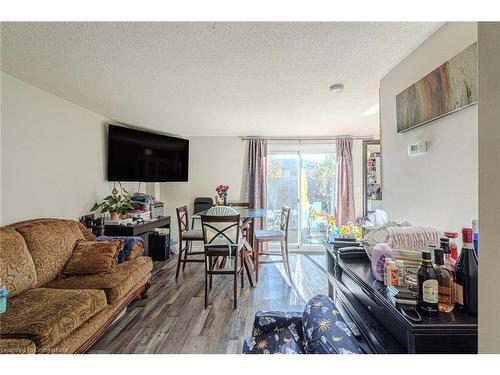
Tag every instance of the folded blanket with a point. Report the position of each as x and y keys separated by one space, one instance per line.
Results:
x=129 y=244
x=412 y=238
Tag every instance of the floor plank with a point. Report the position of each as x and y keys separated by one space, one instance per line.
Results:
x=173 y=320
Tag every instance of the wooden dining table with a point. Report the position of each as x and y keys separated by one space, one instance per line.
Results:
x=247 y=217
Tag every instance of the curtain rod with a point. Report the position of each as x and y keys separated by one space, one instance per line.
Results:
x=331 y=138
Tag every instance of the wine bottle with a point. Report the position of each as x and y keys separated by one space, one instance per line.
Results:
x=466 y=283
x=475 y=236
x=427 y=285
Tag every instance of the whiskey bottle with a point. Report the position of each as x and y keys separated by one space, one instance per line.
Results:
x=445 y=282
x=427 y=285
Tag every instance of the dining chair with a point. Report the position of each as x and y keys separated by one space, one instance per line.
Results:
x=186 y=237
x=239 y=204
x=221 y=211
x=221 y=238
x=200 y=204
x=281 y=235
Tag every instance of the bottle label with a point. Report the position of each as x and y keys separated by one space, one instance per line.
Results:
x=459 y=294
x=430 y=291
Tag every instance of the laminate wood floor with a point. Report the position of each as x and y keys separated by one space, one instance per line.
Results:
x=172 y=319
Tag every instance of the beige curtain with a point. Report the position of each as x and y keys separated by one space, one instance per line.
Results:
x=345 y=184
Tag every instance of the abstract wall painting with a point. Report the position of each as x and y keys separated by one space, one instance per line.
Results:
x=449 y=88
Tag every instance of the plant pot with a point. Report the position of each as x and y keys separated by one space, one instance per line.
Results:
x=114 y=216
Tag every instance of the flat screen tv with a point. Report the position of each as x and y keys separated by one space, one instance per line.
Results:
x=135 y=155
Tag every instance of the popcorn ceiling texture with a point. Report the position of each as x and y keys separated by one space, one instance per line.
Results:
x=215 y=78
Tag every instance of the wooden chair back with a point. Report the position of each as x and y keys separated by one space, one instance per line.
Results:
x=182 y=219
x=220 y=232
x=240 y=204
x=285 y=220
x=221 y=211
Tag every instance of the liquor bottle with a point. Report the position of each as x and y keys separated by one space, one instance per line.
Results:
x=453 y=245
x=427 y=285
x=431 y=247
x=387 y=272
x=475 y=236
x=393 y=273
x=449 y=262
x=445 y=282
x=466 y=276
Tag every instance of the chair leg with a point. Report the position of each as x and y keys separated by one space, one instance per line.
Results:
x=256 y=260
x=185 y=255
x=287 y=263
x=206 y=285
x=179 y=260
x=242 y=269
x=235 y=281
x=210 y=275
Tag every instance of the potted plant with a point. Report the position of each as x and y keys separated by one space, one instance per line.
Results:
x=115 y=204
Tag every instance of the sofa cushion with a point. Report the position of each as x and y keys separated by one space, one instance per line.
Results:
x=116 y=284
x=50 y=242
x=46 y=316
x=325 y=331
x=91 y=257
x=17 y=346
x=17 y=270
x=86 y=232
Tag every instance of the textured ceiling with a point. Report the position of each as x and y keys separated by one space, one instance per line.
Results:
x=216 y=78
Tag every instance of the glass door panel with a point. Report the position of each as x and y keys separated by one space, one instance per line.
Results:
x=283 y=190
x=317 y=197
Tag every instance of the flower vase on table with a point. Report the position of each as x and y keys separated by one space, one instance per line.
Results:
x=221 y=191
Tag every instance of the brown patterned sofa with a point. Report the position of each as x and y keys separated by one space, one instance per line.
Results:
x=48 y=313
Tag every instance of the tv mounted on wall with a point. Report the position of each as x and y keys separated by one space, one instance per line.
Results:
x=135 y=155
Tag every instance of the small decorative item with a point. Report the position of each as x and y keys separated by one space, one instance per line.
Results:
x=115 y=204
x=222 y=193
x=332 y=228
x=4 y=293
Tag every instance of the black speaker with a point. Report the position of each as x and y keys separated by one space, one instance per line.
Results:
x=159 y=246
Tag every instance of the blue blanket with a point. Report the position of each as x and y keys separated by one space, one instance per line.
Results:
x=128 y=244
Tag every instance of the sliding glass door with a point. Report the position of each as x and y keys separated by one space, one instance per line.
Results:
x=302 y=177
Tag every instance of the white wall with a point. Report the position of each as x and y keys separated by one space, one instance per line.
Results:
x=52 y=155
x=212 y=161
x=222 y=160
x=440 y=187
x=53 y=160
x=489 y=180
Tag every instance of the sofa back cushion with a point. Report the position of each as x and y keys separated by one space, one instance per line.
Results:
x=51 y=243
x=17 y=270
x=325 y=331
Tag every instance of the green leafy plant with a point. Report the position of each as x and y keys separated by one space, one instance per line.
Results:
x=115 y=202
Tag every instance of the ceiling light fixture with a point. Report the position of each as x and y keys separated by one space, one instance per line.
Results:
x=336 y=88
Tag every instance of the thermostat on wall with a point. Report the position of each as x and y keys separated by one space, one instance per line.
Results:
x=415 y=149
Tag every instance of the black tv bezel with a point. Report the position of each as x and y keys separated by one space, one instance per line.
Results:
x=186 y=141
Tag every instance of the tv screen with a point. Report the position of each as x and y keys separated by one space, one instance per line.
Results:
x=135 y=155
